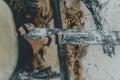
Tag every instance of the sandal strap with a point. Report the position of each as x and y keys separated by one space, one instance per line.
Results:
x=56 y=38
x=49 y=41
x=25 y=28
x=62 y=36
x=18 y=32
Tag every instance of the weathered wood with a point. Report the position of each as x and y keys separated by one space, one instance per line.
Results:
x=75 y=36
x=95 y=8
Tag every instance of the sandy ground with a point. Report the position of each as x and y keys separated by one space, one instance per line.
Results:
x=97 y=65
x=52 y=57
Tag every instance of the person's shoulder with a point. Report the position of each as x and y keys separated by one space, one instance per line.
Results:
x=4 y=6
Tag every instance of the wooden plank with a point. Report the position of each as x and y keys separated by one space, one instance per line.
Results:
x=61 y=50
x=74 y=36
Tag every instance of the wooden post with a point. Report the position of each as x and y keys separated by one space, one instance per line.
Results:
x=58 y=24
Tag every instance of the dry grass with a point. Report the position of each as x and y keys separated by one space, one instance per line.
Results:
x=74 y=53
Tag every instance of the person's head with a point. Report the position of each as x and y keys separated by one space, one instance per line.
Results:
x=8 y=42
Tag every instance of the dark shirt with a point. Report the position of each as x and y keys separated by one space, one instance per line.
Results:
x=25 y=49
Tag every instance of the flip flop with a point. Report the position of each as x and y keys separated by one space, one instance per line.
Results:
x=49 y=41
x=25 y=28
x=18 y=32
x=56 y=40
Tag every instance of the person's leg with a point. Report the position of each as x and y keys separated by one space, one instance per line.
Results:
x=25 y=54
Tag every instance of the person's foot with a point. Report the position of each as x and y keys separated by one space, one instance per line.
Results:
x=54 y=39
x=46 y=41
x=25 y=29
